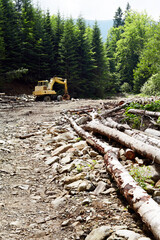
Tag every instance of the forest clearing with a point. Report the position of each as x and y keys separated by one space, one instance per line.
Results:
x=57 y=172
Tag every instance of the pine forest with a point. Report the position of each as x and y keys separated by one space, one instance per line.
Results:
x=35 y=45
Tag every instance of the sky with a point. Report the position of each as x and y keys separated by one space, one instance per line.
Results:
x=98 y=9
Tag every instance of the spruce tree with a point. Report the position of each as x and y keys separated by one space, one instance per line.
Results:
x=118 y=20
x=99 y=59
x=68 y=54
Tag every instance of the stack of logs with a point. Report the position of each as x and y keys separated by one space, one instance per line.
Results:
x=135 y=141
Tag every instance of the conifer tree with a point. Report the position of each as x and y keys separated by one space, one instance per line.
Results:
x=68 y=54
x=118 y=19
x=99 y=58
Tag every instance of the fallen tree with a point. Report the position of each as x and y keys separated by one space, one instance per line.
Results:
x=143 y=149
x=138 y=198
x=139 y=135
x=144 y=112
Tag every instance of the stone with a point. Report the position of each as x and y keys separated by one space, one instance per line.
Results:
x=100 y=188
x=51 y=160
x=93 y=153
x=64 y=137
x=127 y=234
x=157 y=185
x=61 y=149
x=157 y=199
x=156 y=193
x=70 y=179
x=80 y=145
x=66 y=159
x=58 y=202
x=65 y=223
x=152 y=171
x=86 y=201
x=99 y=233
x=84 y=186
x=73 y=186
x=67 y=168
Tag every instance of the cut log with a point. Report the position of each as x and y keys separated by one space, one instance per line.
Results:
x=143 y=149
x=144 y=112
x=107 y=112
x=138 y=198
x=139 y=135
x=153 y=132
x=129 y=154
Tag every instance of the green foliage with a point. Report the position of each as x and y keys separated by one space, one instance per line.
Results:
x=140 y=175
x=133 y=119
x=125 y=87
x=152 y=85
x=92 y=165
x=79 y=168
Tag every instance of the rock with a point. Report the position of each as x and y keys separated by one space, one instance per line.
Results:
x=51 y=160
x=73 y=185
x=157 y=199
x=93 y=153
x=80 y=145
x=86 y=201
x=61 y=149
x=64 y=137
x=55 y=167
x=149 y=188
x=65 y=223
x=58 y=202
x=70 y=179
x=67 y=168
x=157 y=185
x=152 y=171
x=100 y=188
x=128 y=234
x=66 y=159
x=99 y=233
x=84 y=186
x=156 y=193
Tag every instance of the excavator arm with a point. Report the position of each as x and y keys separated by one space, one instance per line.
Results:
x=60 y=81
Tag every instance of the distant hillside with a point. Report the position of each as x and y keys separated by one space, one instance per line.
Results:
x=104 y=26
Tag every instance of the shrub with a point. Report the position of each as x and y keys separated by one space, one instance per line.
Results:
x=152 y=85
x=125 y=87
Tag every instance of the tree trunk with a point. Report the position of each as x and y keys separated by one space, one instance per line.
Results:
x=107 y=112
x=139 y=135
x=143 y=149
x=138 y=198
x=144 y=112
x=153 y=132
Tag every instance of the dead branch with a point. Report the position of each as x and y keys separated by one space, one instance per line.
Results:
x=143 y=149
x=107 y=112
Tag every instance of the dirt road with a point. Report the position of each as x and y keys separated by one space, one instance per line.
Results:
x=44 y=195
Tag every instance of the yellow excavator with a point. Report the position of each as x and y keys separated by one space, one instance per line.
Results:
x=44 y=90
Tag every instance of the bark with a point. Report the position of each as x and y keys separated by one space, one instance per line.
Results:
x=139 y=135
x=153 y=132
x=107 y=112
x=144 y=112
x=138 y=198
x=143 y=149
x=129 y=154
